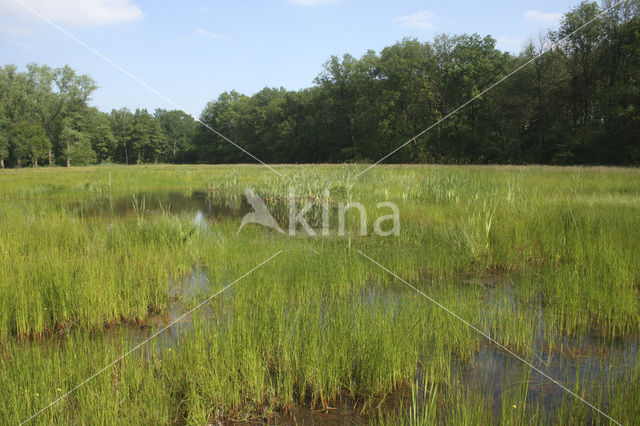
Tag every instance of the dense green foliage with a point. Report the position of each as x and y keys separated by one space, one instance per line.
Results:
x=579 y=103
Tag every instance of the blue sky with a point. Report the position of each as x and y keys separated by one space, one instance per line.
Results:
x=191 y=51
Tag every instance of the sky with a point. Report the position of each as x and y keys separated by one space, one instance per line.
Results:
x=190 y=51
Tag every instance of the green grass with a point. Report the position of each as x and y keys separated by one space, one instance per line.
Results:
x=506 y=248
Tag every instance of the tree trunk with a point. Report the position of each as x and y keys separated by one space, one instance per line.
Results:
x=34 y=162
x=50 y=158
x=1 y=163
x=68 y=159
x=18 y=162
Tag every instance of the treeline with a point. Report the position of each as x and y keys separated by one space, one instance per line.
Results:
x=45 y=119
x=577 y=104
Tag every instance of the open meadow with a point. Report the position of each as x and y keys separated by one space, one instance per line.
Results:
x=95 y=261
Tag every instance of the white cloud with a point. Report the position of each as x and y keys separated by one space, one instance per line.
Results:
x=312 y=2
x=203 y=32
x=422 y=19
x=14 y=30
x=537 y=16
x=72 y=12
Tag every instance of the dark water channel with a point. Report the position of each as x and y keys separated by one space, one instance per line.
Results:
x=198 y=205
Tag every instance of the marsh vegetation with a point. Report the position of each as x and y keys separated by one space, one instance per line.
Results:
x=95 y=260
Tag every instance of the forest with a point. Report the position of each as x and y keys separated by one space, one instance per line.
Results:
x=578 y=103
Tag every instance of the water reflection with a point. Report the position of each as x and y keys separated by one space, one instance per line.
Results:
x=197 y=204
x=177 y=320
x=496 y=375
